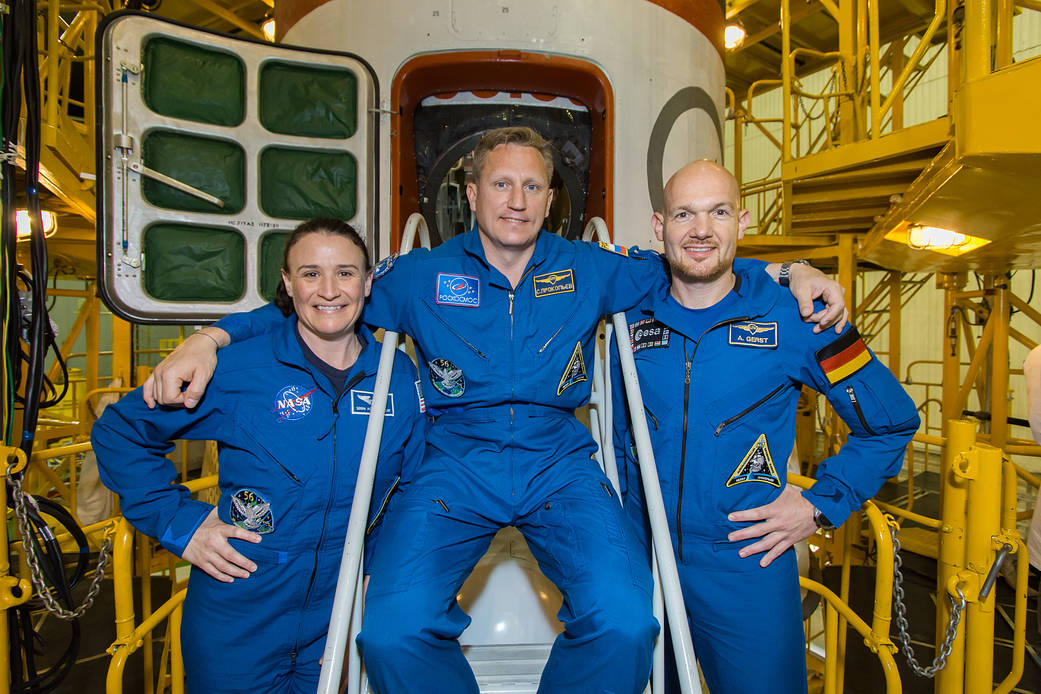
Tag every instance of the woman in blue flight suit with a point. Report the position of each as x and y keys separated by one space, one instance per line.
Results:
x=289 y=410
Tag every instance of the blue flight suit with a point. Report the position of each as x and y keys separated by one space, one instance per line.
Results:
x=720 y=387
x=289 y=454
x=504 y=370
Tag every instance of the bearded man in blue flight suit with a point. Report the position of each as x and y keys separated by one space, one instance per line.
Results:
x=721 y=358
x=504 y=321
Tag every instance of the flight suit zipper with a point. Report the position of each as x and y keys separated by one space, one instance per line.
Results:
x=683 y=441
x=860 y=413
x=727 y=422
x=510 y=294
x=332 y=488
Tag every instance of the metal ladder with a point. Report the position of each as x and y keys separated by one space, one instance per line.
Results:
x=513 y=668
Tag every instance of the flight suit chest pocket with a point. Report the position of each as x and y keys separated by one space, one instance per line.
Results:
x=444 y=330
x=760 y=405
x=292 y=447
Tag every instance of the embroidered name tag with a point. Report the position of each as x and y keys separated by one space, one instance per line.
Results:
x=458 y=290
x=752 y=334
x=361 y=402
x=559 y=282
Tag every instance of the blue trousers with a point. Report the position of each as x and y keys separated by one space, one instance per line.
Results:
x=745 y=621
x=470 y=485
x=264 y=633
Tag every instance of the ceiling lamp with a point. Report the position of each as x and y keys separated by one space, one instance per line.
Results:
x=733 y=34
x=23 y=229
x=923 y=237
x=268 y=27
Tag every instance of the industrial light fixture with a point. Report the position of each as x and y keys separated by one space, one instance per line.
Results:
x=923 y=237
x=733 y=34
x=23 y=229
x=268 y=27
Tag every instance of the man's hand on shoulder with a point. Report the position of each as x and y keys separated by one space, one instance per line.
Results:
x=192 y=364
x=785 y=521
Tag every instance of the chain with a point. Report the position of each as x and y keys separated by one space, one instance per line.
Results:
x=957 y=607
x=23 y=500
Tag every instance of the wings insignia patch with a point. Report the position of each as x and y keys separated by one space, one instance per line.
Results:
x=753 y=334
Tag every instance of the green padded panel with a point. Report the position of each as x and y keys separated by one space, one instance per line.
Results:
x=192 y=263
x=187 y=81
x=271 y=247
x=308 y=101
x=217 y=167
x=304 y=183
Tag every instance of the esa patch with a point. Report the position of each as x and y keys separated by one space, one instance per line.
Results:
x=648 y=333
x=612 y=248
x=251 y=511
x=843 y=357
x=574 y=372
x=757 y=466
x=753 y=334
x=422 y=400
x=559 y=282
x=361 y=402
x=384 y=266
x=447 y=378
x=458 y=290
x=293 y=402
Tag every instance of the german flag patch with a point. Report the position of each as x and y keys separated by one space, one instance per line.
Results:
x=843 y=357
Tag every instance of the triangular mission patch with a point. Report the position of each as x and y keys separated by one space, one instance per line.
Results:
x=575 y=372
x=757 y=466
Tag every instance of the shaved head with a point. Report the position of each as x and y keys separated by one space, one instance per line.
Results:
x=702 y=169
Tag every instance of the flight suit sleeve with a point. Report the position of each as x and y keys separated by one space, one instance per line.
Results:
x=246 y=324
x=387 y=304
x=881 y=417
x=627 y=275
x=131 y=442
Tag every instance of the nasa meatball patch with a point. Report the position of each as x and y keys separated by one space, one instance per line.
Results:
x=251 y=511
x=458 y=290
x=754 y=334
x=293 y=402
x=648 y=333
x=757 y=466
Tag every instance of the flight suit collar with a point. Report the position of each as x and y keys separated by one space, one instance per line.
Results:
x=287 y=351
x=756 y=292
x=471 y=242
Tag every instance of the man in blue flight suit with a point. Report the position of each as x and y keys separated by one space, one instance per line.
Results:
x=504 y=322
x=721 y=358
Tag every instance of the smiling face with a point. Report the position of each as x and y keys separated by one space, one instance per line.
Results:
x=511 y=199
x=328 y=283
x=701 y=223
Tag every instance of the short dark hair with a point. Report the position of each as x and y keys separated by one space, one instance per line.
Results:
x=318 y=225
x=524 y=137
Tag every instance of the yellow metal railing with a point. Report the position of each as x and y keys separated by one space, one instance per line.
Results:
x=130 y=637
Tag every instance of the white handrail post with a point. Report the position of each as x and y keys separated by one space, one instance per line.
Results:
x=347 y=600
x=353 y=547
x=663 y=552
